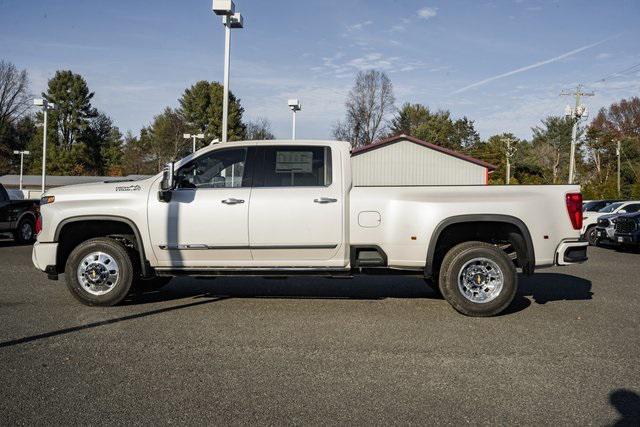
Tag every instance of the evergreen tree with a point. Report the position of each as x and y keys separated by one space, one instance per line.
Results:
x=201 y=106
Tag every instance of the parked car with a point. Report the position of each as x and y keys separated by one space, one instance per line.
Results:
x=590 y=219
x=18 y=217
x=627 y=231
x=596 y=205
x=288 y=208
x=605 y=229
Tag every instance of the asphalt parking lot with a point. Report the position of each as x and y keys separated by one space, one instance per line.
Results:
x=375 y=350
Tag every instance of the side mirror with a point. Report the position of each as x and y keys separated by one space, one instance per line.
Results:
x=168 y=183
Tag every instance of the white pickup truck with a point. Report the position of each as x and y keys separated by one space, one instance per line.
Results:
x=289 y=208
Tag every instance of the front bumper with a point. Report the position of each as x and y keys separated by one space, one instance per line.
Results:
x=571 y=252
x=605 y=233
x=44 y=255
x=628 y=238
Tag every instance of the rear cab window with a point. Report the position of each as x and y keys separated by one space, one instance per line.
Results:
x=293 y=166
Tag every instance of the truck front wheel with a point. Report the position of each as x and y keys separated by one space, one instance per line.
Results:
x=99 y=272
x=478 y=279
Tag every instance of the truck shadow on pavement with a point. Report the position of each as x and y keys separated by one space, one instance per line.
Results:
x=542 y=288
x=627 y=403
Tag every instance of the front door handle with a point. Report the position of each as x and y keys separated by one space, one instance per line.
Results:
x=325 y=200
x=232 y=201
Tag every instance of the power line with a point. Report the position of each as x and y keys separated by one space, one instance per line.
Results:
x=618 y=73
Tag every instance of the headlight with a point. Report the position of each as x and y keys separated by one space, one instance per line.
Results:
x=47 y=199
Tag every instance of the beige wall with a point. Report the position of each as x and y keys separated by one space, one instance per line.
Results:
x=406 y=163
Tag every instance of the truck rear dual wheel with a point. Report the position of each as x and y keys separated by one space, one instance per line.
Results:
x=478 y=279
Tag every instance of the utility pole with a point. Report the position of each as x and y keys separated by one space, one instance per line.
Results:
x=576 y=113
x=618 y=155
x=510 y=151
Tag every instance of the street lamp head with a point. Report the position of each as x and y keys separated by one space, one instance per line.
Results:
x=200 y=136
x=223 y=7
x=295 y=105
x=186 y=135
x=39 y=102
x=16 y=152
x=234 y=21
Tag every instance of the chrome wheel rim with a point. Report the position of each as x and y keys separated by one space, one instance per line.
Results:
x=25 y=231
x=480 y=280
x=98 y=273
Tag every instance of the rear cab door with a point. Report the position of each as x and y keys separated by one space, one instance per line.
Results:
x=297 y=209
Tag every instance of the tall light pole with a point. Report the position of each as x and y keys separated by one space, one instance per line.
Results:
x=193 y=136
x=618 y=155
x=230 y=19
x=22 y=154
x=576 y=113
x=294 y=106
x=46 y=106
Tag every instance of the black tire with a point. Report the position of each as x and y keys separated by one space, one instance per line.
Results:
x=21 y=235
x=126 y=271
x=592 y=236
x=452 y=265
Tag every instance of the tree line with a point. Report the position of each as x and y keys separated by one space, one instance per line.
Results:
x=371 y=115
x=85 y=141
x=82 y=140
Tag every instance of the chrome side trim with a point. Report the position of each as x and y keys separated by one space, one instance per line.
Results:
x=201 y=246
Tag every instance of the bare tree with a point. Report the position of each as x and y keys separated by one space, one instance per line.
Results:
x=259 y=129
x=370 y=100
x=15 y=99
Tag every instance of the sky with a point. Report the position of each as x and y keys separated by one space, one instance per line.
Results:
x=502 y=64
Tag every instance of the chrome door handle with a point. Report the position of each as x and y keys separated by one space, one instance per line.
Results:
x=325 y=200
x=232 y=201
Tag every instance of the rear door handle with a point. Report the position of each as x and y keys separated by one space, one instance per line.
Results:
x=325 y=200
x=232 y=201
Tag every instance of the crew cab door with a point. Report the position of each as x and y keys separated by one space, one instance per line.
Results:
x=206 y=222
x=296 y=213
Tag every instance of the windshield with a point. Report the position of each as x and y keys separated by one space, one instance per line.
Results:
x=612 y=207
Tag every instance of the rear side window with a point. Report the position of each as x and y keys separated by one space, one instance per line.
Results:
x=3 y=194
x=294 y=166
x=632 y=208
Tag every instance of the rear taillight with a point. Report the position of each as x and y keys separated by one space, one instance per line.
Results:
x=38 y=224
x=574 y=207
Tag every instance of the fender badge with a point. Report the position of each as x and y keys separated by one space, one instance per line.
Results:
x=129 y=188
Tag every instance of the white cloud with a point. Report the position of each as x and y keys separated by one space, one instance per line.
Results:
x=603 y=55
x=398 y=29
x=428 y=12
x=359 y=26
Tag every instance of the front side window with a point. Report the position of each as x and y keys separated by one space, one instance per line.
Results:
x=632 y=208
x=218 y=169
x=295 y=166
